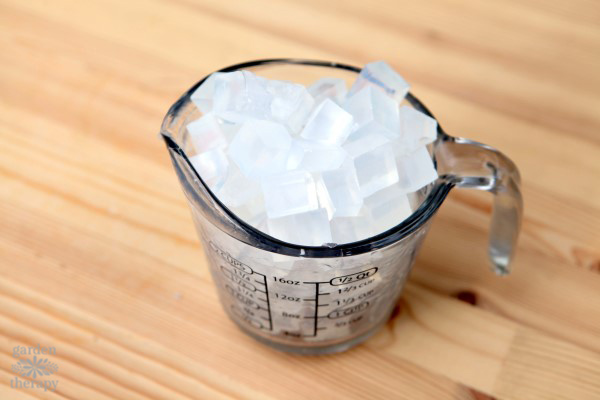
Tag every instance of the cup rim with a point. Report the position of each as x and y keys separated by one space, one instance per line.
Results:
x=429 y=206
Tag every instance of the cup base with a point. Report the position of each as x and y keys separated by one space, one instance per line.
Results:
x=314 y=349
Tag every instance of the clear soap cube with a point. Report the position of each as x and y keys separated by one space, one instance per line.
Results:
x=373 y=105
x=374 y=161
x=291 y=192
x=212 y=167
x=324 y=197
x=252 y=211
x=344 y=190
x=416 y=170
x=372 y=128
x=380 y=74
x=350 y=229
x=237 y=190
x=318 y=157
x=206 y=133
x=387 y=208
x=328 y=88
x=260 y=148
x=295 y=155
x=309 y=228
x=328 y=124
x=417 y=129
x=241 y=95
x=204 y=95
x=291 y=104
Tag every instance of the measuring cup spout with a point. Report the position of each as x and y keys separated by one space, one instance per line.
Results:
x=197 y=193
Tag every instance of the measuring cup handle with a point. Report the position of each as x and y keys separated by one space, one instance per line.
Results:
x=472 y=165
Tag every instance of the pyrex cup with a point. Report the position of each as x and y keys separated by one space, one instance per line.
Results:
x=316 y=300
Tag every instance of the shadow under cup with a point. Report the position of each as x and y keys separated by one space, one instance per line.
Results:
x=317 y=300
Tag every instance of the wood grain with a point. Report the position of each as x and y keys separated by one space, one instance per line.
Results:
x=99 y=258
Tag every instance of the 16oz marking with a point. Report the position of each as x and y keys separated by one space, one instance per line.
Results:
x=286 y=281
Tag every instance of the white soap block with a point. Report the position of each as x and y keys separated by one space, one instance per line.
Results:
x=309 y=228
x=350 y=229
x=318 y=157
x=387 y=208
x=291 y=104
x=416 y=170
x=206 y=133
x=328 y=124
x=343 y=189
x=237 y=190
x=324 y=197
x=380 y=74
x=289 y=193
x=417 y=129
x=374 y=161
x=203 y=95
x=212 y=167
x=260 y=148
x=328 y=88
x=241 y=95
x=370 y=104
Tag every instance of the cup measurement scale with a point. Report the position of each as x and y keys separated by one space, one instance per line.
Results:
x=282 y=305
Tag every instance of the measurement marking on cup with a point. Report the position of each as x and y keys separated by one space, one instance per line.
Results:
x=357 y=276
x=344 y=312
x=316 y=306
x=349 y=297
x=268 y=302
x=243 y=278
x=316 y=314
x=342 y=286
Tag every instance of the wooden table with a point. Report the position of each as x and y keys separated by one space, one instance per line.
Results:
x=100 y=261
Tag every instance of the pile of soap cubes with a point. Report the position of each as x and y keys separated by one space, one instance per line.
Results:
x=312 y=165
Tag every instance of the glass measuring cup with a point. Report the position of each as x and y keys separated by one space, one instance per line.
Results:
x=316 y=300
